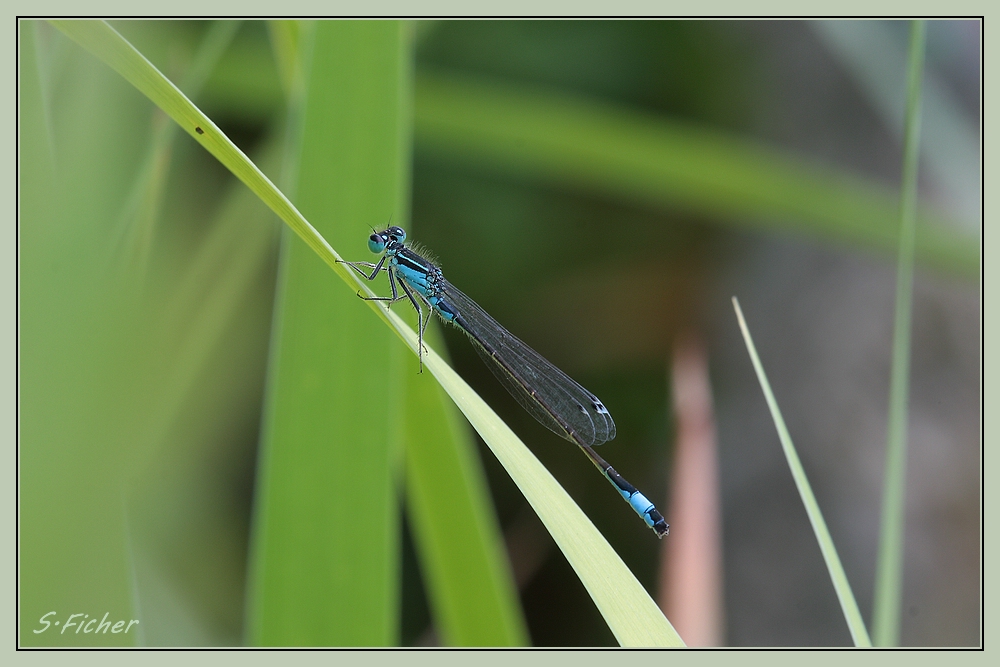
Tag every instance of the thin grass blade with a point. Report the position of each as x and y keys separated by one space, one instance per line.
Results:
x=848 y=604
x=889 y=571
x=139 y=217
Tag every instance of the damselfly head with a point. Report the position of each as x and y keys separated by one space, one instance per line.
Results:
x=378 y=241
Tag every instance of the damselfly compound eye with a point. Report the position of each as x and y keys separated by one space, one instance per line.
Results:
x=376 y=244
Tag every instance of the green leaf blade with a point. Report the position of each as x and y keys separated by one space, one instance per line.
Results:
x=625 y=605
x=326 y=551
x=472 y=593
x=841 y=585
x=889 y=571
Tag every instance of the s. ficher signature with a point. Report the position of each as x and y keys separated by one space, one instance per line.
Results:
x=77 y=622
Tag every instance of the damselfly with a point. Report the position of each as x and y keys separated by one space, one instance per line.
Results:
x=551 y=396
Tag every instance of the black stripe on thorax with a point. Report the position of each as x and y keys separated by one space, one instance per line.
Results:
x=412 y=260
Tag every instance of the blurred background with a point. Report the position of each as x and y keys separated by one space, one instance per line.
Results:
x=784 y=195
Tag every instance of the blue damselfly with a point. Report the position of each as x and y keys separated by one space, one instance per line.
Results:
x=551 y=396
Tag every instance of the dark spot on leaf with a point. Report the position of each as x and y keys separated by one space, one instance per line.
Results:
x=199 y=130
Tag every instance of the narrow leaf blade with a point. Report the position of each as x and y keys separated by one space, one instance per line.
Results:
x=843 y=588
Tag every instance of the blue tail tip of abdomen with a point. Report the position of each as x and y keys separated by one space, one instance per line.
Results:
x=649 y=514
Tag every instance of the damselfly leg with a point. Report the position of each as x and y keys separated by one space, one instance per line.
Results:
x=396 y=296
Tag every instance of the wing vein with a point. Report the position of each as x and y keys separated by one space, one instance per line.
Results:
x=556 y=400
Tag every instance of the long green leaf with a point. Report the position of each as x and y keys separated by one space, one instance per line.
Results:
x=471 y=588
x=140 y=218
x=631 y=614
x=326 y=534
x=655 y=161
x=848 y=604
x=889 y=573
x=104 y=42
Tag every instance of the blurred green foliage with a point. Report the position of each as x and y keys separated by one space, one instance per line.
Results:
x=579 y=179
